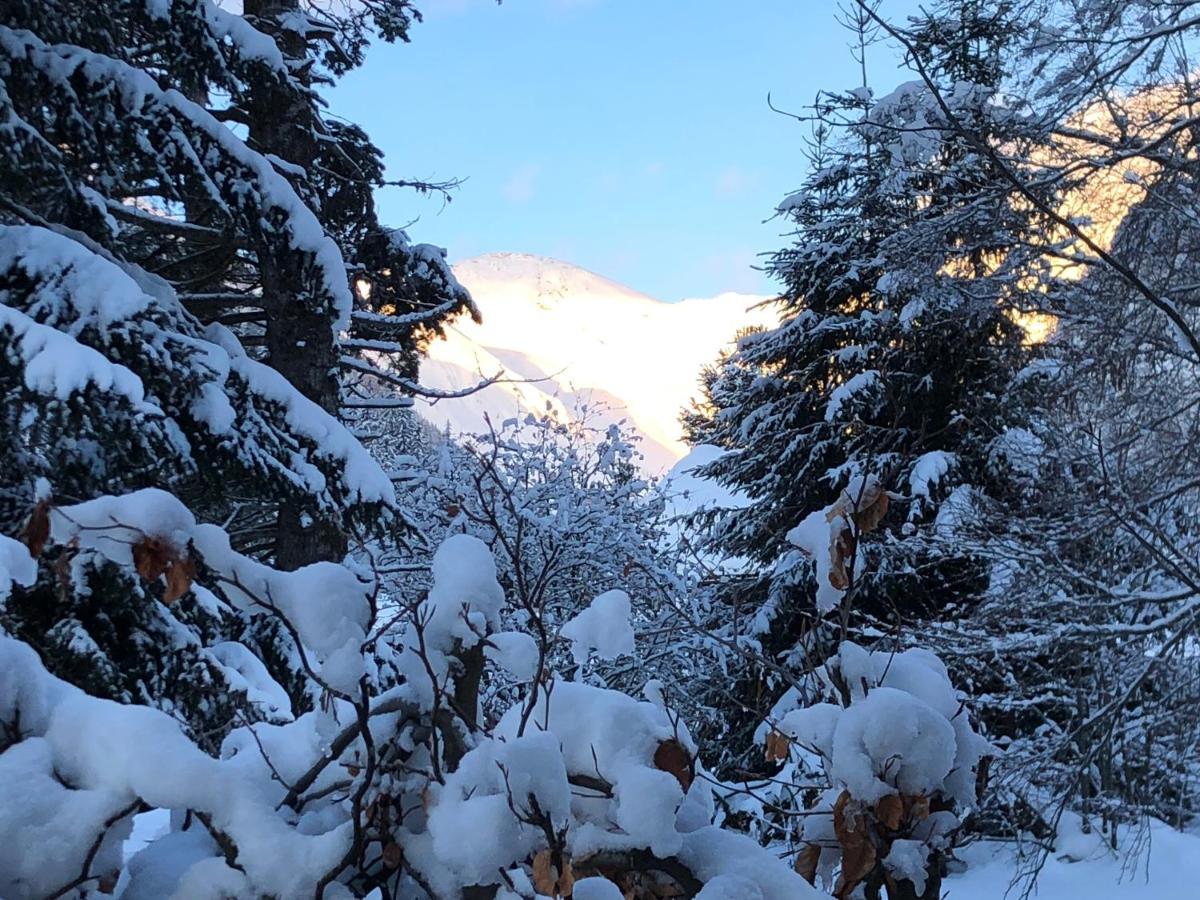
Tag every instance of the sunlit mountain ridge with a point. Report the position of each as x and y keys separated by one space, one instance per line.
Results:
x=575 y=343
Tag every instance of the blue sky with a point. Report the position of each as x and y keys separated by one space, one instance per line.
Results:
x=631 y=137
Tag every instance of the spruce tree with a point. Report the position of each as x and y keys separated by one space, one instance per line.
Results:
x=144 y=247
x=403 y=292
x=897 y=351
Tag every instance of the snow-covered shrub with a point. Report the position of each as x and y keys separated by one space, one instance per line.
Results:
x=394 y=779
x=568 y=518
x=106 y=761
x=903 y=763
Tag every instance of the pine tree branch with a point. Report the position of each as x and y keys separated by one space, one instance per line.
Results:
x=983 y=147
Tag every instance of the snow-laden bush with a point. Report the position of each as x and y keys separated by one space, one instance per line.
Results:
x=569 y=519
x=394 y=780
x=903 y=765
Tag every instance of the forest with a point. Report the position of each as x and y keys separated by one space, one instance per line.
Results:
x=924 y=622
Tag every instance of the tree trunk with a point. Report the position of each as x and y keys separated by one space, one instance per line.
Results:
x=299 y=340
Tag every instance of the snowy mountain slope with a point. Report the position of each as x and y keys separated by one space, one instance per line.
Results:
x=580 y=340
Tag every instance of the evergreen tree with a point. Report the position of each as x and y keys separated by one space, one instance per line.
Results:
x=138 y=230
x=403 y=291
x=893 y=365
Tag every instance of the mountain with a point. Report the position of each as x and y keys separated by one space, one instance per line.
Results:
x=574 y=340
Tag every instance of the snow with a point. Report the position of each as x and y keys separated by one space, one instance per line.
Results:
x=211 y=879
x=364 y=479
x=688 y=492
x=730 y=887
x=325 y=602
x=1020 y=450
x=907 y=860
x=1160 y=864
x=596 y=888
x=137 y=91
x=56 y=822
x=465 y=600
x=461 y=610
x=815 y=537
x=903 y=731
x=820 y=532
x=603 y=626
x=57 y=365
x=928 y=470
x=16 y=566
x=245 y=671
x=735 y=863
x=585 y=341
x=606 y=733
x=847 y=390
x=155 y=872
x=514 y=651
x=80 y=293
x=250 y=42
x=102 y=755
x=475 y=801
x=892 y=732
x=99 y=292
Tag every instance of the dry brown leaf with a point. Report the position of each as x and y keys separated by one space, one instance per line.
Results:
x=151 y=556
x=393 y=855
x=37 y=529
x=673 y=758
x=545 y=877
x=868 y=516
x=108 y=883
x=807 y=861
x=918 y=807
x=62 y=565
x=566 y=881
x=889 y=811
x=841 y=551
x=866 y=510
x=180 y=575
x=839 y=508
x=778 y=746
x=858 y=850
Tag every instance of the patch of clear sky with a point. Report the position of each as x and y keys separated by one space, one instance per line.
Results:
x=631 y=137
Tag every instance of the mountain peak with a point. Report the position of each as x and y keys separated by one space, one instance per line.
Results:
x=578 y=347
x=539 y=276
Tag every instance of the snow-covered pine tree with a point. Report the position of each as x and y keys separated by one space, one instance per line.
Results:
x=403 y=291
x=891 y=371
x=120 y=196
